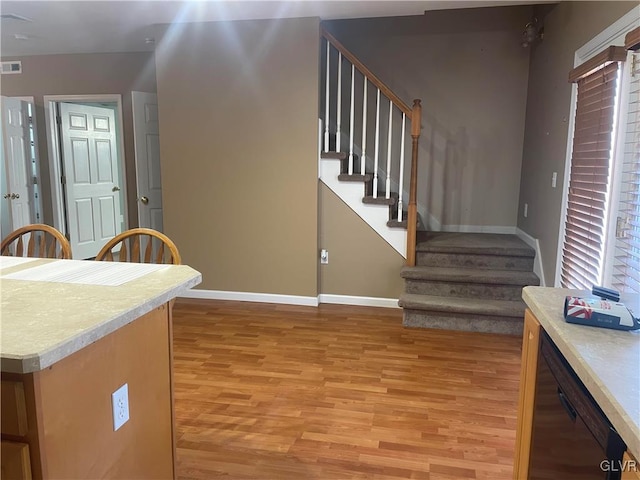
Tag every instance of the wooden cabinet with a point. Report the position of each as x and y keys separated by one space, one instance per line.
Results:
x=530 y=345
x=58 y=422
x=16 y=462
x=528 y=373
x=630 y=467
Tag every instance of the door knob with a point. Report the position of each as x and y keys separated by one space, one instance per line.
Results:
x=15 y=195
x=7 y=195
x=115 y=189
x=144 y=200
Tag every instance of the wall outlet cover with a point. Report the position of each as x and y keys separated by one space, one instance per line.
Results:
x=120 y=406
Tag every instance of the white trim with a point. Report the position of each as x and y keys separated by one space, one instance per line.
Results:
x=608 y=36
x=376 y=216
x=251 y=297
x=360 y=301
x=291 y=299
x=480 y=229
x=534 y=243
x=53 y=146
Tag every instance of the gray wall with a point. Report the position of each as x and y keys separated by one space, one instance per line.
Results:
x=83 y=74
x=567 y=28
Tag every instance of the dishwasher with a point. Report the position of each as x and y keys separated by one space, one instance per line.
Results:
x=572 y=439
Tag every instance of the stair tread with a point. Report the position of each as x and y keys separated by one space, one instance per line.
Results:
x=334 y=155
x=356 y=177
x=473 y=243
x=381 y=199
x=397 y=224
x=501 y=308
x=471 y=275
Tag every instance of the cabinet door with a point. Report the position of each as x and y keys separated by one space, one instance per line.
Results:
x=530 y=345
x=630 y=467
x=15 y=462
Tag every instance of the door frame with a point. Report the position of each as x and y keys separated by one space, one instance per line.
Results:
x=37 y=205
x=55 y=159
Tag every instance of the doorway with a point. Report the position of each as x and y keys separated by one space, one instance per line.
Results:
x=20 y=182
x=86 y=155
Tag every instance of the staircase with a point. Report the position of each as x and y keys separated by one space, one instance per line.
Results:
x=468 y=281
x=459 y=281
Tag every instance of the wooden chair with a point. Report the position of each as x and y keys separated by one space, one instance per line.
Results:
x=158 y=248
x=43 y=241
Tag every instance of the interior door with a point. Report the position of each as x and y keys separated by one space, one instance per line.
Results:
x=89 y=156
x=147 y=147
x=17 y=172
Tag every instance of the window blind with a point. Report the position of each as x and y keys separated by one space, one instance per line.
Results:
x=589 y=177
x=626 y=266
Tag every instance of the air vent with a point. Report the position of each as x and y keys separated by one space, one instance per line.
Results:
x=11 y=67
x=13 y=16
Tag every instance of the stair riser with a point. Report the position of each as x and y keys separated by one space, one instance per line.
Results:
x=495 y=262
x=463 y=322
x=457 y=289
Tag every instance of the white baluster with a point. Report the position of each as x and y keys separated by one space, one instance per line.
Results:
x=339 y=112
x=326 y=102
x=364 y=128
x=401 y=180
x=387 y=186
x=376 y=151
x=353 y=83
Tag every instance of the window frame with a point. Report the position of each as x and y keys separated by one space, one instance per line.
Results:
x=613 y=35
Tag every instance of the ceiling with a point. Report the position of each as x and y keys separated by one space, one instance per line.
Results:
x=53 y=27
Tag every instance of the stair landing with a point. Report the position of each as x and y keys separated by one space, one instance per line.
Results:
x=468 y=281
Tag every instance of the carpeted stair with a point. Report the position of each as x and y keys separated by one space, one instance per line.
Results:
x=468 y=281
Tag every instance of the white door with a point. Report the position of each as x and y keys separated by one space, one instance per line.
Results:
x=92 y=193
x=147 y=146
x=17 y=163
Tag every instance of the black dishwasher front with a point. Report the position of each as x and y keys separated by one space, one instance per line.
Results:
x=571 y=436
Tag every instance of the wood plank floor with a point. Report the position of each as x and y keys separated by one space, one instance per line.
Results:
x=282 y=392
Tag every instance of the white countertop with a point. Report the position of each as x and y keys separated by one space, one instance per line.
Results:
x=607 y=361
x=45 y=317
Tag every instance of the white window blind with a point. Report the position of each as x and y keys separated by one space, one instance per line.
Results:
x=626 y=263
x=589 y=179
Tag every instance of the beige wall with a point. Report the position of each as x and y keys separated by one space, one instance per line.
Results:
x=238 y=106
x=361 y=263
x=470 y=71
x=567 y=28
x=83 y=74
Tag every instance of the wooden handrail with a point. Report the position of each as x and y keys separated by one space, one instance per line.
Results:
x=412 y=210
x=366 y=72
x=414 y=113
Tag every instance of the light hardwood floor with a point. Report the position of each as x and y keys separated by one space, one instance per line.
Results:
x=281 y=392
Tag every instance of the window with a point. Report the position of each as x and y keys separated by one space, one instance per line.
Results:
x=600 y=236
x=625 y=255
x=589 y=179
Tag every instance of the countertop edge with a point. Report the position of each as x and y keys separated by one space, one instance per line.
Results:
x=623 y=424
x=39 y=361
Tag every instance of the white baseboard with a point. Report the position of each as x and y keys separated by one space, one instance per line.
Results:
x=361 y=301
x=535 y=244
x=479 y=229
x=434 y=225
x=251 y=297
x=291 y=299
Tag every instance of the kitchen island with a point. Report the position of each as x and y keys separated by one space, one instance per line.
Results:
x=72 y=333
x=606 y=361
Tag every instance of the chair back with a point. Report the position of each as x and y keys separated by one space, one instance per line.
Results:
x=140 y=245
x=41 y=241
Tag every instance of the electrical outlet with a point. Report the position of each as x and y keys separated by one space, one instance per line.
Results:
x=324 y=256
x=526 y=210
x=120 y=406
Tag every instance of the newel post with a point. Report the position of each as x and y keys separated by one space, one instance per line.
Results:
x=412 y=212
